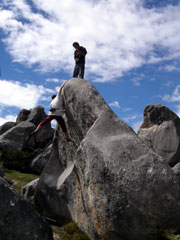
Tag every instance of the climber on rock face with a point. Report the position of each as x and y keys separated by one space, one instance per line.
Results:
x=79 y=57
x=56 y=111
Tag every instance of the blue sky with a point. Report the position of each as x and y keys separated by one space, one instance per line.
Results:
x=133 y=52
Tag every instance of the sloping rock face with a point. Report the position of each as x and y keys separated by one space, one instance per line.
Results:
x=109 y=182
x=161 y=131
x=18 y=219
x=6 y=126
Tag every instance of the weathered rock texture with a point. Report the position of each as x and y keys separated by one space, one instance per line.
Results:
x=109 y=182
x=161 y=131
x=29 y=189
x=18 y=219
x=17 y=149
x=6 y=126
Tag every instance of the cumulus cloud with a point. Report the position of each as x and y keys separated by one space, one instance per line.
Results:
x=130 y=118
x=114 y=104
x=21 y=96
x=55 y=80
x=8 y=118
x=175 y=97
x=120 y=35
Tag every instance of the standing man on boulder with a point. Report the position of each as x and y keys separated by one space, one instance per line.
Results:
x=79 y=57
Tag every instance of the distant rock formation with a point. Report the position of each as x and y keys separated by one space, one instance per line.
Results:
x=17 y=149
x=6 y=126
x=18 y=219
x=161 y=131
x=108 y=180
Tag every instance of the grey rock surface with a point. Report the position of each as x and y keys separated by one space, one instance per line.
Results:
x=6 y=126
x=108 y=180
x=39 y=162
x=29 y=189
x=1 y=173
x=36 y=115
x=22 y=115
x=161 y=131
x=17 y=136
x=18 y=219
x=176 y=170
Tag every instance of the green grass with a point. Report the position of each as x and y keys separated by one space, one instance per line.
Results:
x=18 y=179
x=172 y=237
x=68 y=230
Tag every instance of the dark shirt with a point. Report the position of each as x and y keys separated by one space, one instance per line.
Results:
x=78 y=57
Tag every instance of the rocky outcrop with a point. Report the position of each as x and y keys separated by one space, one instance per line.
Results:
x=29 y=189
x=108 y=180
x=18 y=219
x=161 y=131
x=6 y=126
x=1 y=173
x=39 y=161
x=17 y=148
x=22 y=115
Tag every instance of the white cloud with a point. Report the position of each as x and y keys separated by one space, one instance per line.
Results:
x=127 y=109
x=22 y=96
x=120 y=35
x=175 y=97
x=8 y=118
x=114 y=104
x=55 y=80
x=128 y=119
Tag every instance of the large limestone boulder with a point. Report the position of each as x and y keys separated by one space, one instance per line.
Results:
x=108 y=180
x=18 y=219
x=161 y=131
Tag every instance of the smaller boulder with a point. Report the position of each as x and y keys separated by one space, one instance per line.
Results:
x=176 y=170
x=39 y=162
x=161 y=131
x=1 y=173
x=6 y=126
x=36 y=115
x=29 y=189
x=16 y=137
x=18 y=219
x=23 y=115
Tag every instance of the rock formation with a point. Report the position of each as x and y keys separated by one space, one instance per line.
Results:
x=108 y=180
x=18 y=219
x=161 y=131
x=17 y=149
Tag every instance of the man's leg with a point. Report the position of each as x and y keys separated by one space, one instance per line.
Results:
x=81 y=70
x=76 y=71
x=49 y=118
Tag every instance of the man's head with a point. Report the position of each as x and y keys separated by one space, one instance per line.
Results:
x=76 y=45
x=53 y=96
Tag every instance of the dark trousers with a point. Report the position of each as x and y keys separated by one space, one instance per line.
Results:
x=79 y=70
x=59 y=119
